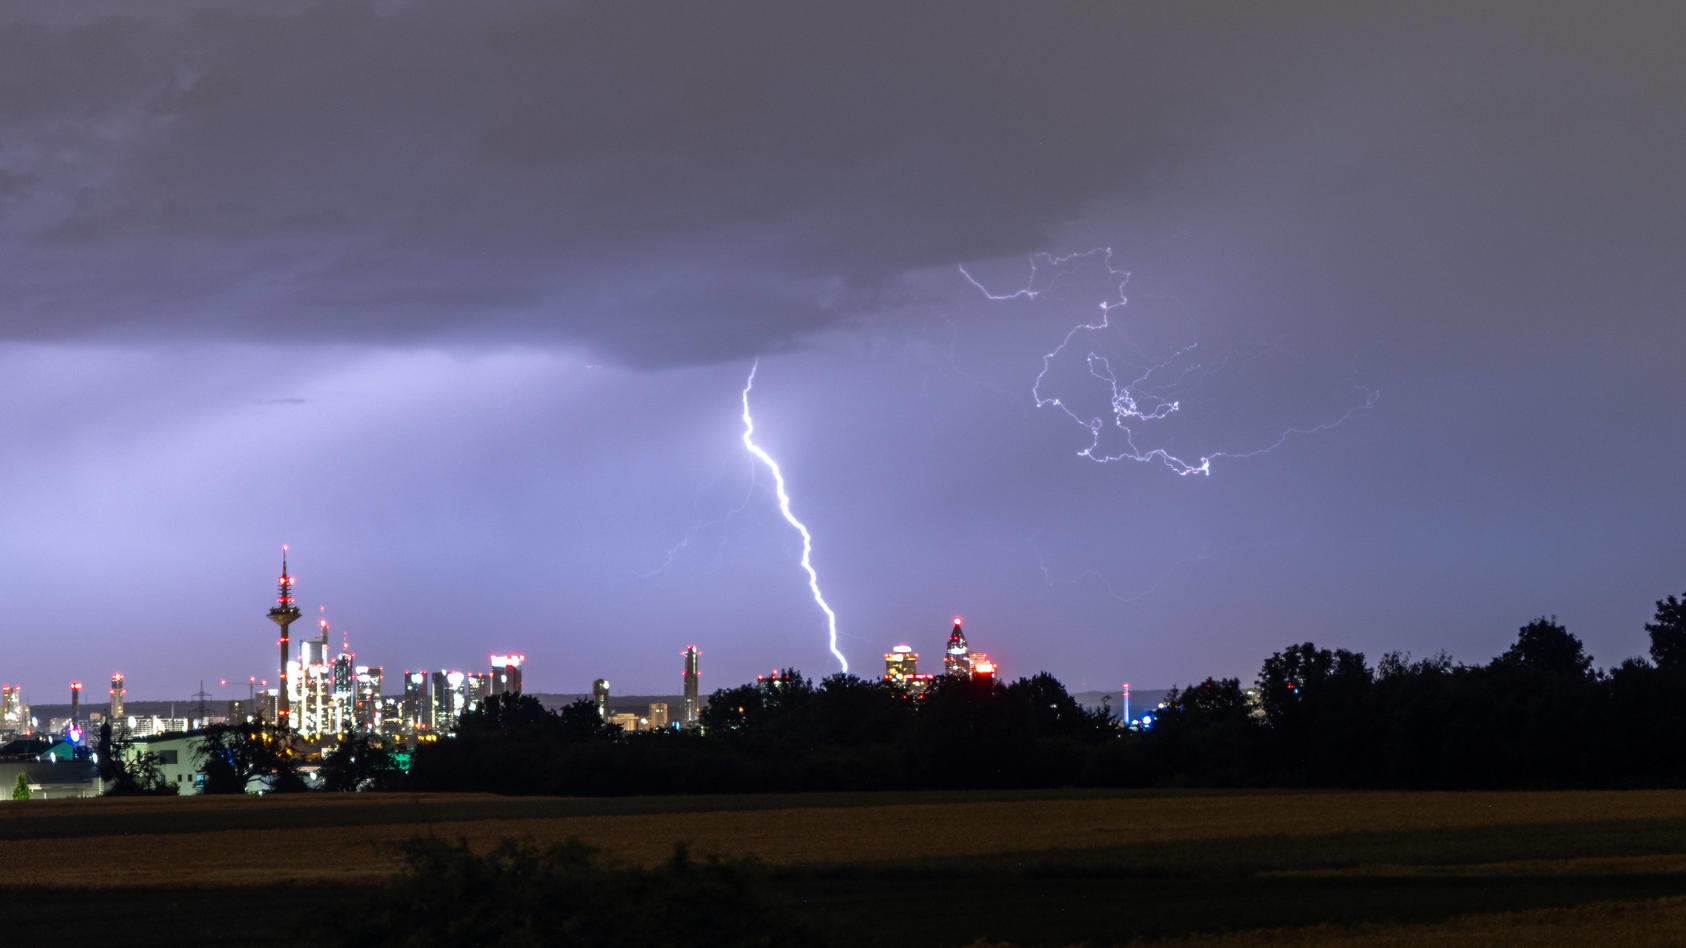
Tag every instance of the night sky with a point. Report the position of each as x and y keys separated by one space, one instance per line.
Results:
x=459 y=300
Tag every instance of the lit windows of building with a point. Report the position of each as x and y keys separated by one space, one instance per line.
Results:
x=692 y=677
x=415 y=701
x=900 y=662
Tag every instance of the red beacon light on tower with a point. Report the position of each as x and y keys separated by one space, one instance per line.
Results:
x=957 y=620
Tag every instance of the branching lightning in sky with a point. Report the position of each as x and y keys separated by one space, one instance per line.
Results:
x=698 y=525
x=1132 y=404
x=1049 y=580
x=784 y=508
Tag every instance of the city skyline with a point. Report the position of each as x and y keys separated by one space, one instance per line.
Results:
x=470 y=325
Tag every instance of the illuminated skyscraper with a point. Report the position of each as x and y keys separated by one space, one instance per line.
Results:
x=506 y=674
x=901 y=668
x=415 y=701
x=476 y=688
x=14 y=714
x=691 y=677
x=368 y=714
x=900 y=662
x=75 y=704
x=313 y=685
x=600 y=696
x=439 y=716
x=283 y=614
x=658 y=715
x=344 y=684
x=117 y=693
x=957 y=661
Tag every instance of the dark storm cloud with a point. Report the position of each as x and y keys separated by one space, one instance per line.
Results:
x=690 y=182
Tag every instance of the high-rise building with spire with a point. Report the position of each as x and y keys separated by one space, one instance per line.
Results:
x=956 y=660
x=284 y=613
x=692 y=707
x=345 y=687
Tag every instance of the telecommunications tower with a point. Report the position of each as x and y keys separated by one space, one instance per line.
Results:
x=283 y=615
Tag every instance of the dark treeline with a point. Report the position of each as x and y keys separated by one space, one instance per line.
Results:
x=1539 y=715
x=844 y=733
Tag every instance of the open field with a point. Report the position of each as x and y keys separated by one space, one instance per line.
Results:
x=1201 y=868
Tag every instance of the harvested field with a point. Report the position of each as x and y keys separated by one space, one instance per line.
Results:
x=1038 y=868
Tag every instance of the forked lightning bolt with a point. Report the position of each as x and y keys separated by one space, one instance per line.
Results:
x=784 y=508
x=1131 y=406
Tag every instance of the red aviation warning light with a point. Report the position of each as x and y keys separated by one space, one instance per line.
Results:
x=957 y=620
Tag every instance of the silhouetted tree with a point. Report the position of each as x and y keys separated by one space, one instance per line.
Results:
x=231 y=755
x=511 y=715
x=1045 y=709
x=761 y=709
x=140 y=775
x=1205 y=733
x=358 y=762
x=1210 y=701
x=851 y=712
x=579 y=722
x=1302 y=676
x=1546 y=646
x=1668 y=635
x=1316 y=702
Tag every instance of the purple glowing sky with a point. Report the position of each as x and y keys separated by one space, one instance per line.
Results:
x=459 y=299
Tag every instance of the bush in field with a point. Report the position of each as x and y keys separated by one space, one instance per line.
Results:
x=523 y=895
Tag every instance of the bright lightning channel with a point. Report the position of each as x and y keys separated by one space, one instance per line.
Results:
x=784 y=508
x=1130 y=408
